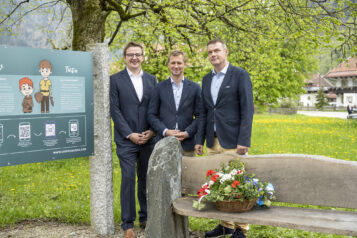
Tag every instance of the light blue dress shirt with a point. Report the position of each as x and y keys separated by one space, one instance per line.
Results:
x=217 y=80
x=177 y=91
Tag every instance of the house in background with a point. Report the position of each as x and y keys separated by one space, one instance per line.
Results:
x=344 y=81
x=312 y=86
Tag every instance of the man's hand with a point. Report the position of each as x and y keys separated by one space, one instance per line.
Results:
x=171 y=132
x=242 y=150
x=136 y=138
x=146 y=136
x=181 y=135
x=199 y=149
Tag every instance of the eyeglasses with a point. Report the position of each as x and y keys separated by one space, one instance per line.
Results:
x=131 y=55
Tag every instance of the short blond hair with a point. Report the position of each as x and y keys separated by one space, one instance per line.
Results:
x=177 y=53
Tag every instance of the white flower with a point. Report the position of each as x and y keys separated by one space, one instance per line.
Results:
x=210 y=183
x=225 y=177
x=234 y=172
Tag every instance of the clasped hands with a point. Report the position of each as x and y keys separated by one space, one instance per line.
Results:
x=180 y=135
x=141 y=138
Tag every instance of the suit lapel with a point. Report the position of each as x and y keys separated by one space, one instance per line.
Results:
x=170 y=94
x=208 y=89
x=225 y=82
x=146 y=87
x=185 y=92
x=131 y=85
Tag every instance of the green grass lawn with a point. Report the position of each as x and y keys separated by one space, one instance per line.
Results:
x=59 y=190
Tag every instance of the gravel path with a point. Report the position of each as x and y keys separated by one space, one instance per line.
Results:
x=51 y=229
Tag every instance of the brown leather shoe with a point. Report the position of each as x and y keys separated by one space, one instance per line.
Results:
x=129 y=233
x=142 y=224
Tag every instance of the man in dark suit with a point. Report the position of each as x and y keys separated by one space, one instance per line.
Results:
x=130 y=92
x=175 y=104
x=226 y=116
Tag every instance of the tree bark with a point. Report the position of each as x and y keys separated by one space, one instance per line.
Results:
x=88 y=18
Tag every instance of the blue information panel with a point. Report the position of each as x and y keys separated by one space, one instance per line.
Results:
x=46 y=105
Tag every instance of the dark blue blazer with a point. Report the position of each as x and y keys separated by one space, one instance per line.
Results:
x=162 y=111
x=233 y=112
x=128 y=113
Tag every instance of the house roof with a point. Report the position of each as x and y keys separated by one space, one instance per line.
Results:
x=316 y=80
x=331 y=95
x=345 y=69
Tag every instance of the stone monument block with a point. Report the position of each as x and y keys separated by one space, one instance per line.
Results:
x=163 y=187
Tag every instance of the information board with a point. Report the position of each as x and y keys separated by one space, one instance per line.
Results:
x=46 y=105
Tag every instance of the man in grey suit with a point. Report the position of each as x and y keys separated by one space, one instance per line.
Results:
x=226 y=116
x=130 y=92
x=175 y=104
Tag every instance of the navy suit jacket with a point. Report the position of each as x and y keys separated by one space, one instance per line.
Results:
x=162 y=111
x=128 y=113
x=233 y=112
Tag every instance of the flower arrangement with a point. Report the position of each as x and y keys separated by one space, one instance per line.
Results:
x=232 y=183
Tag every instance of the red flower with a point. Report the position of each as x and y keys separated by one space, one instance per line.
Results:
x=210 y=172
x=235 y=184
x=214 y=177
x=238 y=196
x=201 y=192
x=206 y=186
x=239 y=171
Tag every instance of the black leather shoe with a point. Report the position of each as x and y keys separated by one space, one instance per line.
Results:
x=238 y=233
x=219 y=232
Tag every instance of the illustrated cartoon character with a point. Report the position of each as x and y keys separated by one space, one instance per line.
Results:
x=26 y=88
x=46 y=86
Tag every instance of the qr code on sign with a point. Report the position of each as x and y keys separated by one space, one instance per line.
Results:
x=24 y=131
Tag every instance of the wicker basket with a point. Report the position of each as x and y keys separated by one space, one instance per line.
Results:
x=235 y=206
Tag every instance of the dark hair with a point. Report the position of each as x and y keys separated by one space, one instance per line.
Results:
x=177 y=53
x=133 y=44
x=217 y=40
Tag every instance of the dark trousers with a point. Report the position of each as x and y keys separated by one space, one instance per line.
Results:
x=129 y=158
x=45 y=104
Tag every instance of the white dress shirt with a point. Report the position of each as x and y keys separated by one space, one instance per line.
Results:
x=137 y=82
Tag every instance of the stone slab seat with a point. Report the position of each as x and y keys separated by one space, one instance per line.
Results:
x=297 y=178
x=325 y=221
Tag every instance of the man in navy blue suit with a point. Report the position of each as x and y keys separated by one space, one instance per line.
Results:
x=130 y=92
x=226 y=116
x=175 y=104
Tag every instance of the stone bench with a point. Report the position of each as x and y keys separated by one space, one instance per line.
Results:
x=298 y=179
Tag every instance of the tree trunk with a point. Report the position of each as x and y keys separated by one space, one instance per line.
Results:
x=88 y=18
